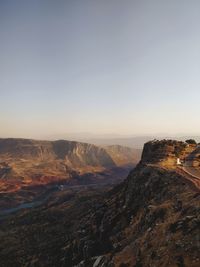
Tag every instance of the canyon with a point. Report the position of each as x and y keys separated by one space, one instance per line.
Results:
x=30 y=168
x=149 y=219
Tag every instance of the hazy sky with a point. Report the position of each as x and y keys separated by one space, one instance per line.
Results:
x=99 y=66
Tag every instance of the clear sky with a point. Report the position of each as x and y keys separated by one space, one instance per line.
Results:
x=99 y=66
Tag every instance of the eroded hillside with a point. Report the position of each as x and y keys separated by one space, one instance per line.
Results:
x=29 y=168
x=32 y=159
x=30 y=162
x=74 y=154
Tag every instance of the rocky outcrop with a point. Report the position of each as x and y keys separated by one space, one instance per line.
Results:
x=166 y=152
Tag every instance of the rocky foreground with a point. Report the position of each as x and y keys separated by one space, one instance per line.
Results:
x=151 y=219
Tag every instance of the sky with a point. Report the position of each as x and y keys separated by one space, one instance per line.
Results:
x=106 y=67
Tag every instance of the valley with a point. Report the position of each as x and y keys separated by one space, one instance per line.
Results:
x=149 y=219
x=30 y=169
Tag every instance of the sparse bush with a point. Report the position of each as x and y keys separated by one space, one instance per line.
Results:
x=191 y=142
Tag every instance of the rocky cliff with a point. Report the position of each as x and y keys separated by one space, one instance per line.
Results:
x=25 y=163
x=75 y=154
x=166 y=152
x=30 y=161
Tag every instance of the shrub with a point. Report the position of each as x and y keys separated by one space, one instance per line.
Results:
x=191 y=142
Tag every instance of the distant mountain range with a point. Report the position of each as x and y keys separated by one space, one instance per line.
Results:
x=114 y=139
x=137 y=141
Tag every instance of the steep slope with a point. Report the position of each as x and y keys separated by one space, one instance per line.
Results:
x=31 y=160
x=74 y=153
x=26 y=165
x=151 y=219
x=124 y=156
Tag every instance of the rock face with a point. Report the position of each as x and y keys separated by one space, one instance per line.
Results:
x=151 y=219
x=26 y=163
x=30 y=161
x=74 y=153
x=123 y=156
